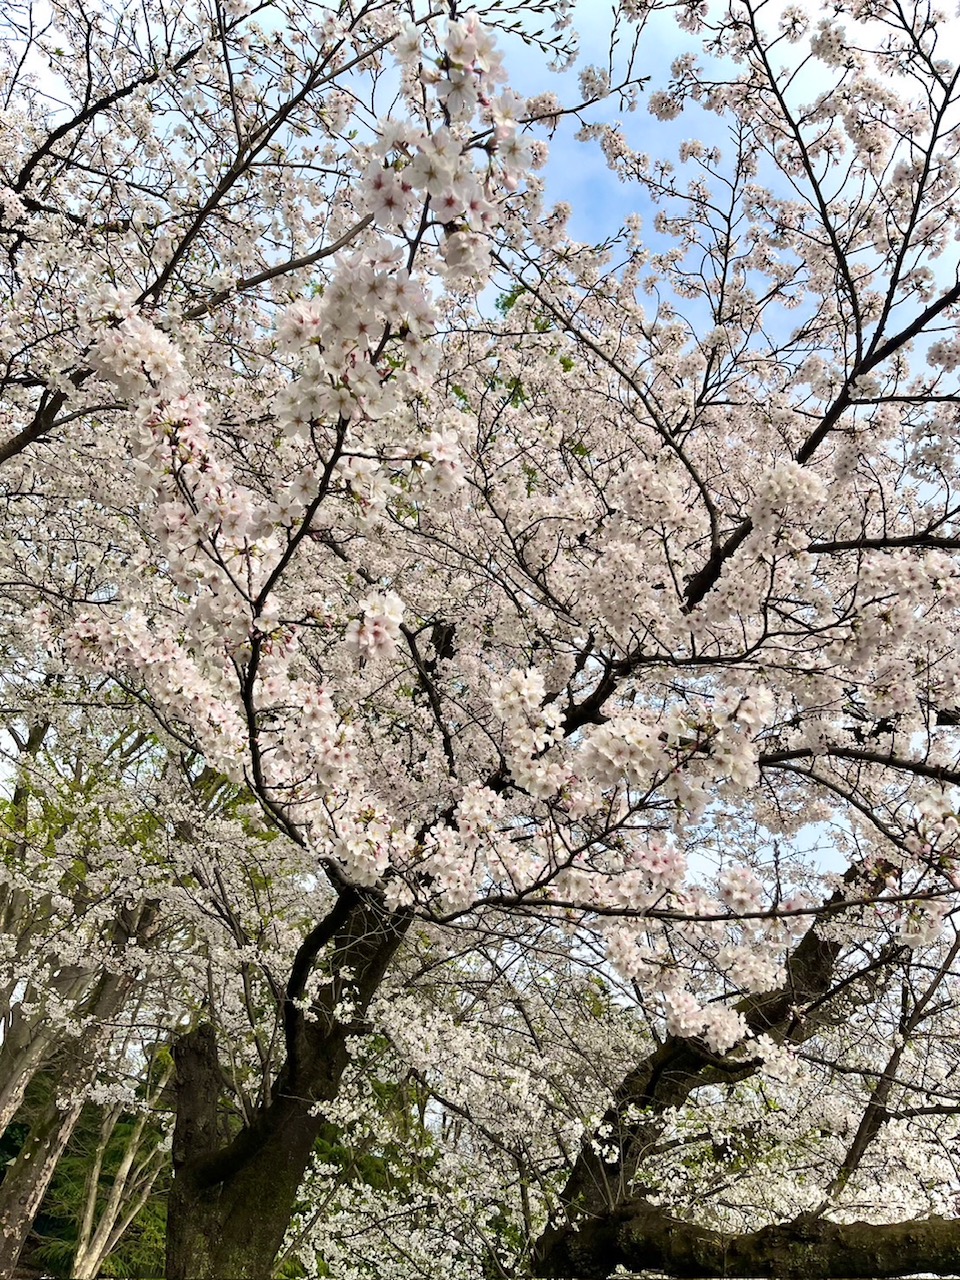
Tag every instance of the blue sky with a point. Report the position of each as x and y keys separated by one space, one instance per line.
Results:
x=577 y=171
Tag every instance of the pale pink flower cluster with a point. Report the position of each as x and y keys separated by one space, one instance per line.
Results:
x=411 y=166
x=626 y=748
x=310 y=743
x=371 y=294
x=739 y=718
x=205 y=520
x=924 y=923
x=723 y=1028
x=830 y=43
x=720 y=1026
x=664 y=105
x=740 y=890
x=301 y=325
x=683 y=750
x=787 y=492
x=751 y=968
x=365 y=846
x=663 y=862
x=171 y=674
x=473 y=66
x=684 y=1013
x=479 y=809
x=376 y=631
x=137 y=358
x=370 y=485
x=945 y=353
x=444 y=471
x=794 y=22
x=648 y=493
x=458 y=859
x=755 y=708
x=645 y=875
x=594 y=82
x=530 y=728
x=455 y=867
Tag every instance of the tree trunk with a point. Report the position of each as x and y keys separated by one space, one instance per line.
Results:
x=232 y=1200
x=234 y=1224
x=641 y=1237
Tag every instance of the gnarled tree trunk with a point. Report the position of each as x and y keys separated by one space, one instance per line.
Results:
x=231 y=1200
x=641 y=1237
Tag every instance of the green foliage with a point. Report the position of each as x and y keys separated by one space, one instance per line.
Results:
x=11 y=1140
x=507 y=301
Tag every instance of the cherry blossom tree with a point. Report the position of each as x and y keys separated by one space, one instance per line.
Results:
x=556 y=700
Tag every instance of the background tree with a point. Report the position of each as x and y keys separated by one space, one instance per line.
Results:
x=105 y=1191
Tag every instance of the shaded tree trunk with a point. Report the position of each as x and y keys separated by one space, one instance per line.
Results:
x=232 y=1200
x=640 y=1237
x=230 y=1220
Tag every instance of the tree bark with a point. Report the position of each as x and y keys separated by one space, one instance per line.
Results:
x=232 y=1198
x=640 y=1237
x=130 y=1187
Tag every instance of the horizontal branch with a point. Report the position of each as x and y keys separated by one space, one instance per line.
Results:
x=641 y=1237
x=888 y=760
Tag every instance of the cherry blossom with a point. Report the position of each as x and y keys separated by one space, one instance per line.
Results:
x=540 y=655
